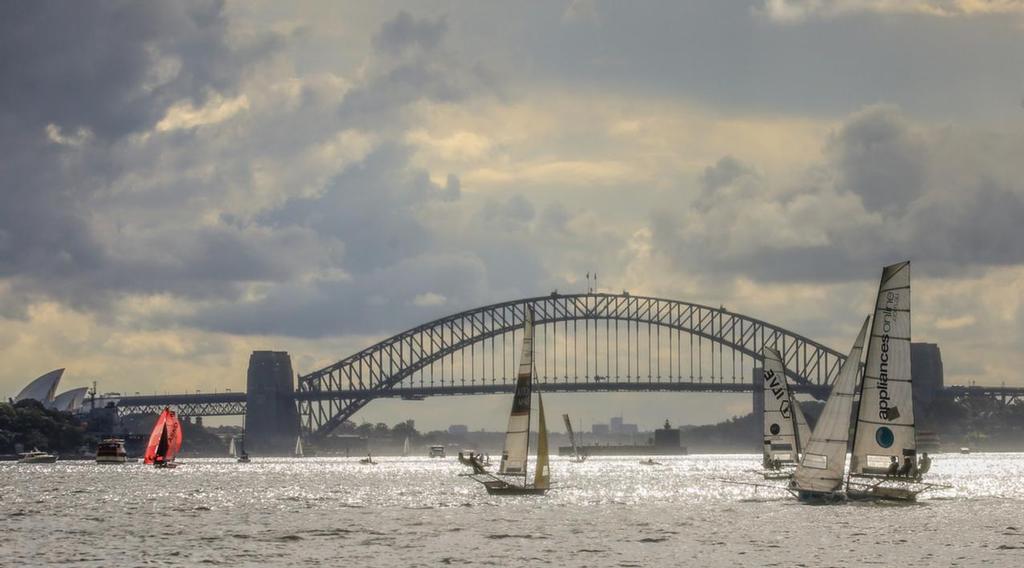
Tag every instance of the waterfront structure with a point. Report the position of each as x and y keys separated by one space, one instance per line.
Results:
x=272 y=421
x=42 y=389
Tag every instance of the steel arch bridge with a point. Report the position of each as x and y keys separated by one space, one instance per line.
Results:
x=590 y=342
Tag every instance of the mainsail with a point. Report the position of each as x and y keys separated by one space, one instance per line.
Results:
x=572 y=435
x=824 y=458
x=517 y=436
x=803 y=431
x=405 y=447
x=542 y=476
x=298 y=447
x=885 y=422
x=779 y=423
x=164 y=440
x=231 y=448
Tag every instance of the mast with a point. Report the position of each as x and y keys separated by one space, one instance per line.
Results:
x=885 y=420
x=542 y=475
x=803 y=431
x=572 y=436
x=517 y=435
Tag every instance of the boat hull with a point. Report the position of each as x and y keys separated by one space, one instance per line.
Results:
x=41 y=459
x=112 y=459
x=501 y=488
x=881 y=493
x=820 y=497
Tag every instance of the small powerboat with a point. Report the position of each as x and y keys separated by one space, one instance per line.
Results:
x=35 y=456
x=649 y=461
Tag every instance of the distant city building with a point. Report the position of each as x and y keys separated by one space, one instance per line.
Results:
x=926 y=370
x=628 y=429
x=615 y=425
x=599 y=429
x=667 y=437
x=458 y=429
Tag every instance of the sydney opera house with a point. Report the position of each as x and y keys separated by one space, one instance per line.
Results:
x=44 y=389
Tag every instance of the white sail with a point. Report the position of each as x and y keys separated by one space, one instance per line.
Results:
x=885 y=421
x=824 y=458
x=298 y=447
x=405 y=447
x=803 y=430
x=542 y=475
x=231 y=448
x=572 y=435
x=517 y=436
x=779 y=425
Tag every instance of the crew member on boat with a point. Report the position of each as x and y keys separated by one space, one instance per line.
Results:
x=924 y=466
x=908 y=467
x=894 y=467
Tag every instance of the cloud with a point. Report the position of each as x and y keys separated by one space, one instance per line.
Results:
x=795 y=11
x=888 y=189
x=405 y=32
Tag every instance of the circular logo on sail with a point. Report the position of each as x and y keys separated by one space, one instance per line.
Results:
x=774 y=429
x=884 y=437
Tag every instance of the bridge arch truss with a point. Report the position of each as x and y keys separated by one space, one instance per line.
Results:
x=584 y=342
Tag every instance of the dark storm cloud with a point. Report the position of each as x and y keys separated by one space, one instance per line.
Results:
x=112 y=67
x=404 y=32
x=880 y=158
x=78 y=78
x=370 y=207
x=926 y=196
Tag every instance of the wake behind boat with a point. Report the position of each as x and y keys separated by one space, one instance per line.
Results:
x=517 y=437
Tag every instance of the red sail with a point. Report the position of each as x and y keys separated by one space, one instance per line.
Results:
x=173 y=436
x=156 y=435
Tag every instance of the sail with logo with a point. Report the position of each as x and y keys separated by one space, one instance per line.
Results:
x=819 y=476
x=514 y=459
x=883 y=464
x=781 y=443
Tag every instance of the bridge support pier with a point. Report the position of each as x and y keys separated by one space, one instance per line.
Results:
x=271 y=419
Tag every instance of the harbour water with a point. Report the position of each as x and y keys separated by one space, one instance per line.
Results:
x=418 y=512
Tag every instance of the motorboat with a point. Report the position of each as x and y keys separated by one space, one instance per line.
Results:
x=36 y=456
x=111 y=450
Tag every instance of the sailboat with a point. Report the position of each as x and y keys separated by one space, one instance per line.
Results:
x=164 y=440
x=517 y=436
x=577 y=456
x=405 y=447
x=232 y=453
x=782 y=420
x=819 y=475
x=883 y=464
x=298 y=447
x=243 y=456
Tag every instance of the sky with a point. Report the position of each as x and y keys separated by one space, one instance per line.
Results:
x=186 y=182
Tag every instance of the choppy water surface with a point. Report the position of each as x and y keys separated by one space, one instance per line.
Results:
x=419 y=512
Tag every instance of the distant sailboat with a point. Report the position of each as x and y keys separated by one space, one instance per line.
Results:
x=819 y=477
x=517 y=437
x=781 y=445
x=405 y=447
x=231 y=449
x=298 y=447
x=883 y=464
x=576 y=455
x=164 y=441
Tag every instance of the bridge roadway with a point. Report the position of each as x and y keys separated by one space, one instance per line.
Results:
x=233 y=403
